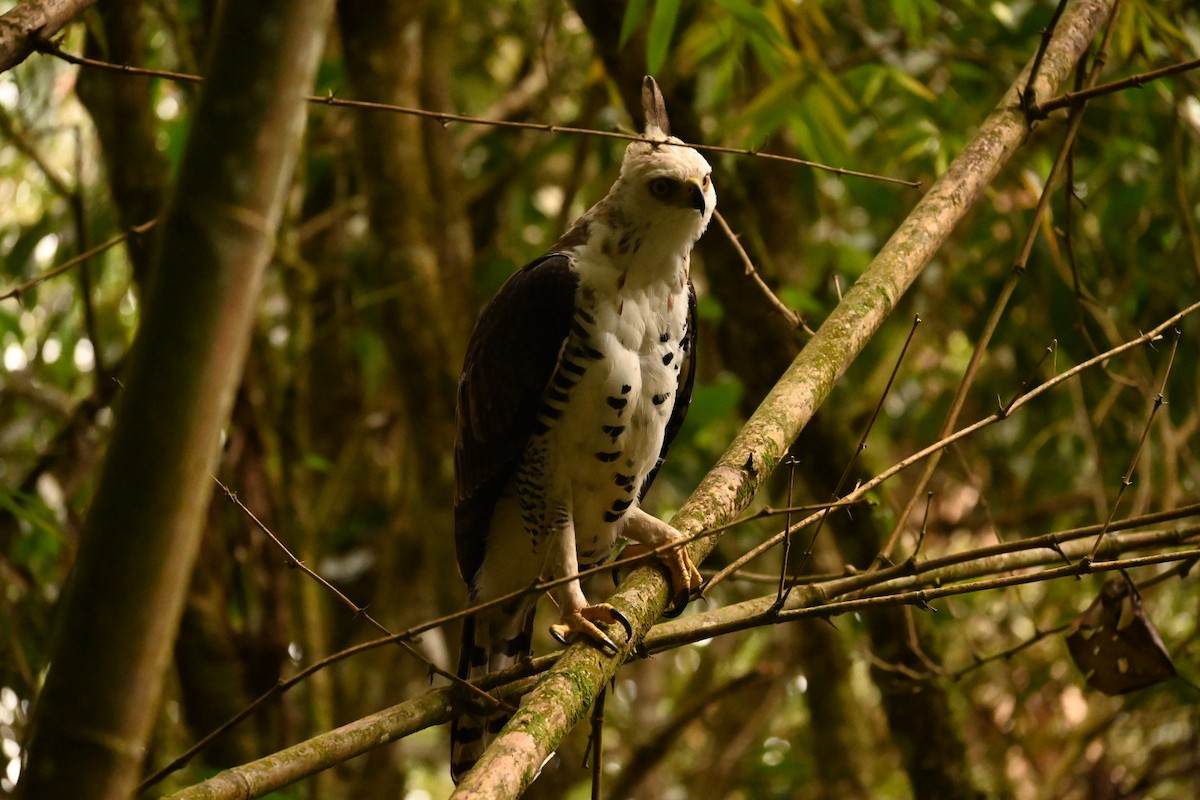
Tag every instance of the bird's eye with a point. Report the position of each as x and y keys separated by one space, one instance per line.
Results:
x=660 y=187
x=705 y=181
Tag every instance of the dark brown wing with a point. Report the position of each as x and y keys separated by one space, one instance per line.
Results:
x=683 y=396
x=510 y=359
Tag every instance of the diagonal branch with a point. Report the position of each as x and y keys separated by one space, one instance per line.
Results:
x=27 y=23
x=564 y=695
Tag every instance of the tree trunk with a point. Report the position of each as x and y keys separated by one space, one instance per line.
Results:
x=122 y=108
x=126 y=592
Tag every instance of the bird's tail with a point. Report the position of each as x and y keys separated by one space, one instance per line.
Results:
x=490 y=642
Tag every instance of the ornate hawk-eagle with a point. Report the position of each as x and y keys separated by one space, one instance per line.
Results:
x=577 y=378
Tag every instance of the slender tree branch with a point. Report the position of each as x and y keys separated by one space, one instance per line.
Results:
x=23 y=27
x=1127 y=480
x=19 y=290
x=1001 y=302
x=359 y=611
x=435 y=707
x=1028 y=97
x=791 y=316
x=1043 y=110
x=862 y=442
x=446 y=118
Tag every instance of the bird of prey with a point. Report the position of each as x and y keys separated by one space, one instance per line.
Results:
x=577 y=377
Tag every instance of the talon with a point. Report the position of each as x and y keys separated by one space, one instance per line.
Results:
x=624 y=622
x=685 y=579
x=678 y=603
x=583 y=622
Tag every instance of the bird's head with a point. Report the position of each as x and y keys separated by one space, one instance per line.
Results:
x=666 y=182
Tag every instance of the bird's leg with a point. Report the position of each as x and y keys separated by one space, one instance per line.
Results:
x=650 y=533
x=578 y=617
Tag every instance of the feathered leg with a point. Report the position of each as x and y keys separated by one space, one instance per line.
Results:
x=491 y=640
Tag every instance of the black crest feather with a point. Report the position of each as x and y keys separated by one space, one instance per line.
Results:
x=655 y=108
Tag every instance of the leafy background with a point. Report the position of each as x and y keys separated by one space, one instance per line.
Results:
x=398 y=230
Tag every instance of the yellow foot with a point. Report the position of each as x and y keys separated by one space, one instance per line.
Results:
x=684 y=577
x=583 y=623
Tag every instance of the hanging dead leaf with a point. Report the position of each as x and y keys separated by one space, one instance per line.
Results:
x=1115 y=645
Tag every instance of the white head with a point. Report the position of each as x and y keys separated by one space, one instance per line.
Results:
x=666 y=183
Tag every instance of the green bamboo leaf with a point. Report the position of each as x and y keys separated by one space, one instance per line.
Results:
x=635 y=12
x=662 y=27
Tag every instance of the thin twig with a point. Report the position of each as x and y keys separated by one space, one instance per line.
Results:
x=792 y=317
x=924 y=528
x=1049 y=351
x=1006 y=655
x=443 y=117
x=1072 y=98
x=960 y=434
x=862 y=442
x=1001 y=303
x=595 y=746
x=136 y=230
x=358 y=610
x=1127 y=479
x=1027 y=94
x=781 y=591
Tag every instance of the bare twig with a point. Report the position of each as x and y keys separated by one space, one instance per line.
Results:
x=1050 y=350
x=1073 y=98
x=358 y=610
x=862 y=442
x=781 y=591
x=1028 y=96
x=962 y=433
x=446 y=118
x=17 y=291
x=595 y=748
x=1001 y=303
x=792 y=317
x=1127 y=479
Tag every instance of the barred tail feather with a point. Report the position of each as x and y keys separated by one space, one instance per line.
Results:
x=490 y=642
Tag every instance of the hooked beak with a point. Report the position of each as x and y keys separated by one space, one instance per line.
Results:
x=696 y=197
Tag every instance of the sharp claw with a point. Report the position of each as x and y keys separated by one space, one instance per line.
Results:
x=624 y=623
x=608 y=644
x=584 y=623
x=679 y=602
x=558 y=636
